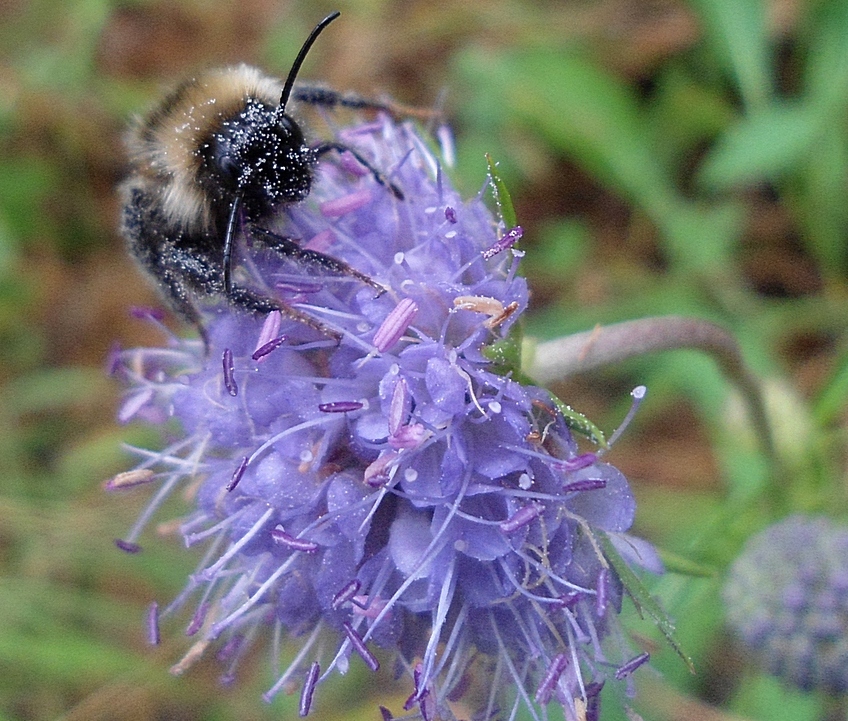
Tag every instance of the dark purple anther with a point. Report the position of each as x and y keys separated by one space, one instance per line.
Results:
x=238 y=473
x=297 y=544
x=521 y=518
x=339 y=406
x=418 y=693
x=626 y=669
x=360 y=647
x=510 y=238
x=127 y=546
x=268 y=347
x=589 y=484
x=229 y=379
x=230 y=648
x=386 y=714
x=197 y=620
x=593 y=700
x=308 y=689
x=153 y=624
x=346 y=594
x=546 y=689
x=450 y=214
x=601 y=598
x=584 y=460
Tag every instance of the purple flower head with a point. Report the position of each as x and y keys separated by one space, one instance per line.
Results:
x=787 y=599
x=391 y=491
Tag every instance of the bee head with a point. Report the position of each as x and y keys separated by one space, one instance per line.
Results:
x=260 y=154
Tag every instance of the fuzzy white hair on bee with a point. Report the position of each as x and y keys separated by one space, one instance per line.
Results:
x=220 y=154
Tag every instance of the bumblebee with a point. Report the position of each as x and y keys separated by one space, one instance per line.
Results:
x=218 y=155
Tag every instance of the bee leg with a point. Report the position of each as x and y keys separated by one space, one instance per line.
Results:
x=326 y=147
x=184 y=307
x=329 y=98
x=288 y=248
x=249 y=300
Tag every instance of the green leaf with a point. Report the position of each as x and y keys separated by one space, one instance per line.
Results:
x=502 y=196
x=826 y=74
x=833 y=399
x=576 y=421
x=675 y=563
x=505 y=353
x=737 y=30
x=645 y=603
x=763 y=146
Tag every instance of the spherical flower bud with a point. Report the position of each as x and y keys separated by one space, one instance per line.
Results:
x=787 y=599
x=385 y=489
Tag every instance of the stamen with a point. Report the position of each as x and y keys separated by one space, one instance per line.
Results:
x=395 y=324
x=360 y=647
x=268 y=347
x=502 y=318
x=197 y=619
x=346 y=594
x=522 y=517
x=593 y=700
x=153 y=624
x=231 y=648
x=191 y=657
x=419 y=693
x=297 y=544
x=238 y=473
x=380 y=470
x=584 y=460
x=127 y=546
x=638 y=394
x=626 y=669
x=308 y=689
x=128 y=479
x=546 y=689
x=586 y=485
x=450 y=214
x=340 y=406
x=229 y=379
x=479 y=304
x=399 y=406
x=510 y=238
x=270 y=328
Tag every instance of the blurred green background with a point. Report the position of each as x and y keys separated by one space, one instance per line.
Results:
x=664 y=157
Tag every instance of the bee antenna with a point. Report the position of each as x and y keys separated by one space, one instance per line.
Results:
x=298 y=61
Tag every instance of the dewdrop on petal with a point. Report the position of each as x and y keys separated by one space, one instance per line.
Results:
x=387 y=497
